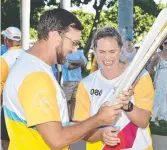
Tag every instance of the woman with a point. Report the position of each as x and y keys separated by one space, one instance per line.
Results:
x=99 y=87
x=160 y=82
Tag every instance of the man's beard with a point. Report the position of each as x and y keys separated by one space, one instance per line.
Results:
x=61 y=59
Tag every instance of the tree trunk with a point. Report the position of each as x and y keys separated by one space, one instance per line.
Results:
x=96 y=21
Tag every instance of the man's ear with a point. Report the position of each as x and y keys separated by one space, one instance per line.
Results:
x=55 y=36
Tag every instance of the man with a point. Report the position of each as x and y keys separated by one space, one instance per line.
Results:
x=12 y=38
x=35 y=107
x=71 y=72
x=132 y=126
x=3 y=49
x=3 y=46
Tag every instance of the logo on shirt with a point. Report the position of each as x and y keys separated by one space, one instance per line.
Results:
x=95 y=92
x=43 y=102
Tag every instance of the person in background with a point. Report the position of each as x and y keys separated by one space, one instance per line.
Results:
x=90 y=57
x=3 y=45
x=159 y=61
x=12 y=38
x=72 y=75
x=54 y=69
x=3 y=49
x=129 y=51
x=59 y=74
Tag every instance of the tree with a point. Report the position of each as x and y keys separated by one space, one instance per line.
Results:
x=143 y=16
x=87 y=20
x=11 y=13
x=98 y=6
x=33 y=34
x=142 y=23
x=149 y=6
x=107 y=18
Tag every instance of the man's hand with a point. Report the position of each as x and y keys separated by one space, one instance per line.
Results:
x=108 y=113
x=110 y=136
x=125 y=97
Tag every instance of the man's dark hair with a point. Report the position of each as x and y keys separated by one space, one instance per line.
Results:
x=57 y=20
x=107 y=32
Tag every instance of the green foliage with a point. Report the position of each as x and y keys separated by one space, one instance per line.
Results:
x=149 y=6
x=37 y=6
x=144 y=15
x=10 y=13
x=142 y=22
x=33 y=34
x=87 y=20
x=109 y=17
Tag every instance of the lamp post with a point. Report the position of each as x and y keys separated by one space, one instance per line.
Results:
x=125 y=17
x=65 y=4
x=25 y=22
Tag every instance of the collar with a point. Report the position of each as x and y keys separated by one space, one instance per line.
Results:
x=15 y=48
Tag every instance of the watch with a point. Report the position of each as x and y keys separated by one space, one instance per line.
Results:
x=130 y=107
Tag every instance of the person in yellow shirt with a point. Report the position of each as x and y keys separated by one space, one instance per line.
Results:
x=94 y=65
x=35 y=106
x=12 y=38
x=131 y=130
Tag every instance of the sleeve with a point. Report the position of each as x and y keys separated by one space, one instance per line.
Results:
x=4 y=72
x=82 y=106
x=37 y=94
x=94 y=65
x=84 y=58
x=144 y=93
